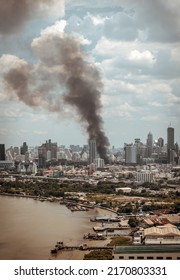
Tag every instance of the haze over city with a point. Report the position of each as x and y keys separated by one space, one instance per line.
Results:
x=128 y=56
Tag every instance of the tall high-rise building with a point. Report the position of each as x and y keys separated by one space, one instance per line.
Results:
x=160 y=142
x=52 y=147
x=42 y=153
x=24 y=148
x=130 y=154
x=2 y=152
x=149 y=144
x=170 y=144
x=47 y=151
x=92 y=151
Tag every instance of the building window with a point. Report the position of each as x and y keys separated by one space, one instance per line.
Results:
x=140 y=258
x=178 y=258
x=168 y=258
x=131 y=257
x=159 y=258
x=121 y=257
x=150 y=258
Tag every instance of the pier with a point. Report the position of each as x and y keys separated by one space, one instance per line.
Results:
x=61 y=247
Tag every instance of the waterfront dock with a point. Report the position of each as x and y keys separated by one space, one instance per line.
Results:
x=60 y=246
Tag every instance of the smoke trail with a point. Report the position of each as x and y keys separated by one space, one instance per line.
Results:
x=67 y=65
x=82 y=80
x=14 y=13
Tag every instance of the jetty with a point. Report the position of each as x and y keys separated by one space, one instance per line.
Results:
x=60 y=246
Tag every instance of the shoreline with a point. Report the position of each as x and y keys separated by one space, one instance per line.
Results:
x=75 y=240
x=56 y=200
x=78 y=254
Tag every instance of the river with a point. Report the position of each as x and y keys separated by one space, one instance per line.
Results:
x=30 y=228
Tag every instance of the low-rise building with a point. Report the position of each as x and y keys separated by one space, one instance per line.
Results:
x=143 y=252
x=124 y=190
x=142 y=177
x=162 y=235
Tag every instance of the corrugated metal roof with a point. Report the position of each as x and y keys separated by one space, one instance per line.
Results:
x=161 y=231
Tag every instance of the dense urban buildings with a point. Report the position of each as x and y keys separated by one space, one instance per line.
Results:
x=138 y=154
x=140 y=184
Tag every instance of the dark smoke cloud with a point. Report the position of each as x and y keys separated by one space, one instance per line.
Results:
x=62 y=63
x=32 y=85
x=14 y=13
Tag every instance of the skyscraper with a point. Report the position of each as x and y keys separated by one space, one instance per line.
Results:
x=92 y=150
x=160 y=142
x=130 y=154
x=24 y=148
x=149 y=144
x=47 y=151
x=2 y=152
x=170 y=144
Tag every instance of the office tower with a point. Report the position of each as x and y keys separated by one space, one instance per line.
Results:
x=170 y=144
x=137 y=143
x=42 y=154
x=160 y=142
x=2 y=152
x=149 y=144
x=130 y=154
x=52 y=147
x=24 y=148
x=47 y=151
x=92 y=150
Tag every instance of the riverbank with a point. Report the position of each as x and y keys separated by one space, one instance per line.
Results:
x=78 y=254
x=29 y=228
x=55 y=199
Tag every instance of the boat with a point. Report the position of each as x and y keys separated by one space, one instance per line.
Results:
x=53 y=251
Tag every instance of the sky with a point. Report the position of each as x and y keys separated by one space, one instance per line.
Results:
x=129 y=53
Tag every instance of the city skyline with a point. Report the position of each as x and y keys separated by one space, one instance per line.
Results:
x=159 y=140
x=134 y=51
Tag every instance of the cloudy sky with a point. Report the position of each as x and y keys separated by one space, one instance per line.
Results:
x=130 y=50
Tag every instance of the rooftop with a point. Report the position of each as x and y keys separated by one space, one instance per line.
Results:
x=161 y=231
x=138 y=249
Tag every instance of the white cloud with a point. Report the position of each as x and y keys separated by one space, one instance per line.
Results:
x=82 y=39
x=56 y=28
x=142 y=57
x=52 y=10
x=106 y=47
x=97 y=20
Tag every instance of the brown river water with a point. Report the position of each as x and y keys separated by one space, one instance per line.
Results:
x=30 y=228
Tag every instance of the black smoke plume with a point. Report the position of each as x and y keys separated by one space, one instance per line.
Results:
x=64 y=63
x=14 y=13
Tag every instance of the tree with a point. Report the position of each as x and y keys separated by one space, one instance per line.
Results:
x=133 y=222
